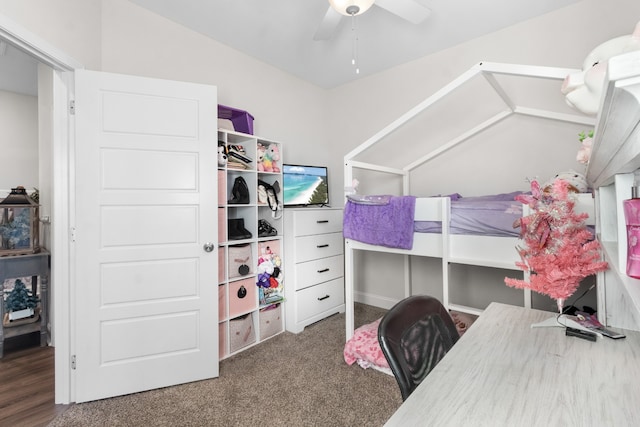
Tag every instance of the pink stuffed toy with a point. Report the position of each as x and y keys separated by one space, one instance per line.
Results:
x=271 y=156
x=274 y=153
x=260 y=151
x=583 y=90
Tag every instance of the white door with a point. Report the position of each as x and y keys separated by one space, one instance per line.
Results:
x=145 y=293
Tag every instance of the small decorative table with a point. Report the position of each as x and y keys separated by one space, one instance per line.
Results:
x=36 y=266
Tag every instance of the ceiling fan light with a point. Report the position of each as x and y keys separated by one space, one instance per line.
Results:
x=341 y=6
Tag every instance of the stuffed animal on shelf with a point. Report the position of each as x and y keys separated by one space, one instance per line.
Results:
x=271 y=156
x=583 y=89
x=277 y=271
x=269 y=269
x=266 y=268
x=261 y=150
x=222 y=156
x=274 y=153
x=263 y=280
x=577 y=182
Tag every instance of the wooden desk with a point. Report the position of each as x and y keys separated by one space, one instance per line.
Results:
x=35 y=265
x=503 y=373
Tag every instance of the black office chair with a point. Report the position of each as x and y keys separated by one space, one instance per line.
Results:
x=414 y=335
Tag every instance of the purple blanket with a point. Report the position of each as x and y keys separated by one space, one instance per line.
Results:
x=389 y=225
x=492 y=215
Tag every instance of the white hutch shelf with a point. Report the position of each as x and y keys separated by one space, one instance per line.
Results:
x=615 y=158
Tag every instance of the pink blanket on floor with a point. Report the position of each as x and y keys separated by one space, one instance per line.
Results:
x=364 y=348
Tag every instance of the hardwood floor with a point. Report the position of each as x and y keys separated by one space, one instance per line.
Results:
x=27 y=384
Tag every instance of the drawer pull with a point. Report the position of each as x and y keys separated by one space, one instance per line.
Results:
x=326 y=245
x=324 y=270
x=242 y=292
x=322 y=221
x=323 y=298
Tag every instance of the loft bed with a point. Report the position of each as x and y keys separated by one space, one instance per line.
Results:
x=451 y=247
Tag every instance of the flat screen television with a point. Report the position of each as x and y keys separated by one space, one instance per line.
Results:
x=305 y=185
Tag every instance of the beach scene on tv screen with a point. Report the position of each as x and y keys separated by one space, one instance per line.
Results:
x=305 y=185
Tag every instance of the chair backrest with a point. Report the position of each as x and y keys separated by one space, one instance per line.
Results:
x=414 y=336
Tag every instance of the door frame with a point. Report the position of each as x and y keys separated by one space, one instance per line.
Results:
x=61 y=279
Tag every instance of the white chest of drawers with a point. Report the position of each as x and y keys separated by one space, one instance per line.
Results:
x=314 y=265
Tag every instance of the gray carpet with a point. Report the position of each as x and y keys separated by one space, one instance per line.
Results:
x=289 y=380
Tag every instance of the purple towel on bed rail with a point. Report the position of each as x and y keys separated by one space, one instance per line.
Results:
x=388 y=225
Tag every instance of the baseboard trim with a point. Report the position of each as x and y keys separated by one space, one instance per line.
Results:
x=374 y=300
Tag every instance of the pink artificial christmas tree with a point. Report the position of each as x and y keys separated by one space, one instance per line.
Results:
x=559 y=251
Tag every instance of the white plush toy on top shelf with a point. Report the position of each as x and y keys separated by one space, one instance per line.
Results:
x=583 y=90
x=577 y=181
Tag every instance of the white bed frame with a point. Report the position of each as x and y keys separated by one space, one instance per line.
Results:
x=486 y=251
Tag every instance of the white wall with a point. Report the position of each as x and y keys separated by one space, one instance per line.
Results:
x=286 y=109
x=19 y=141
x=72 y=26
x=45 y=152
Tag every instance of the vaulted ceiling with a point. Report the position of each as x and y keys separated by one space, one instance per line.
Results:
x=281 y=33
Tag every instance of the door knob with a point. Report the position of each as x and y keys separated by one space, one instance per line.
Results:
x=208 y=247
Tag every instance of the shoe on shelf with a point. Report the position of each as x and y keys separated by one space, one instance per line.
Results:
x=236 y=229
x=265 y=229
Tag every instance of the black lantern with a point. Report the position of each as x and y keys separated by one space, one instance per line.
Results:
x=19 y=224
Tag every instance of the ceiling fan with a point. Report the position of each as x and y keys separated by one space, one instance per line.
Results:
x=410 y=10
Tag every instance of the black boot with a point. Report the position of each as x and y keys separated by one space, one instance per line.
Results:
x=236 y=230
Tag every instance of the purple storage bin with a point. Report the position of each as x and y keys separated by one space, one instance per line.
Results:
x=242 y=121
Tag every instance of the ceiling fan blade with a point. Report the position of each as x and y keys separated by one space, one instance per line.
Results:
x=328 y=25
x=410 y=10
